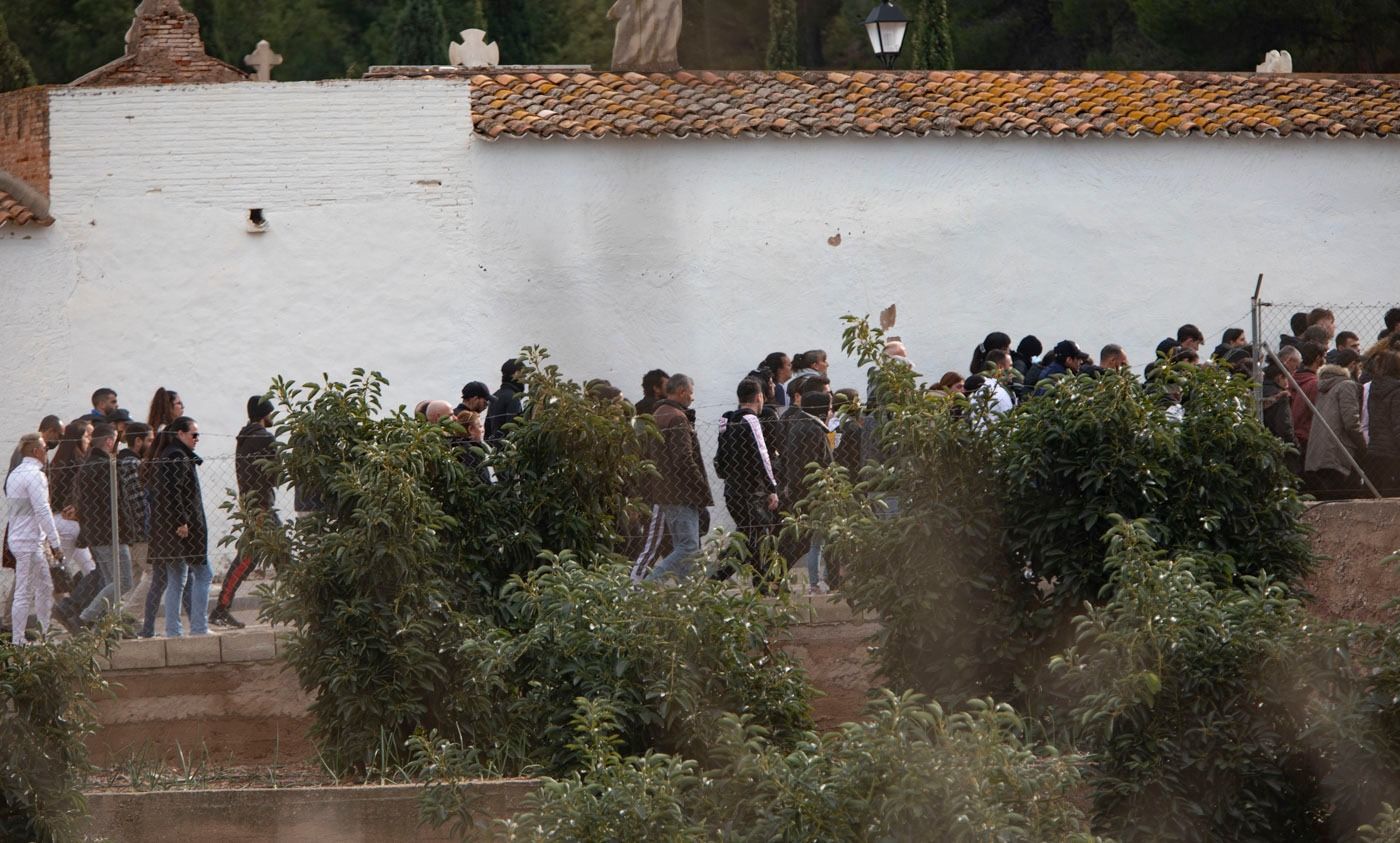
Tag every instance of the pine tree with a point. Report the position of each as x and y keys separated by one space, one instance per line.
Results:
x=420 y=34
x=932 y=36
x=15 y=72
x=782 y=34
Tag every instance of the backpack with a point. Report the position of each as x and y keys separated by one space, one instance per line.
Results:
x=729 y=450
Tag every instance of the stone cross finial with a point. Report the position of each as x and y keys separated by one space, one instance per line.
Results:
x=1276 y=61
x=262 y=59
x=474 y=51
x=648 y=34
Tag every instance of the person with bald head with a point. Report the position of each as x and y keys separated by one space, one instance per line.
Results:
x=436 y=411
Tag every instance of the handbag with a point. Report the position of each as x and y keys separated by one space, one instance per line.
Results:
x=62 y=581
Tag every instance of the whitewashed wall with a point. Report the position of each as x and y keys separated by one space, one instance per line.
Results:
x=400 y=242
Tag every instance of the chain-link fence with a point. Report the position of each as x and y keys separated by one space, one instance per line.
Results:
x=1277 y=320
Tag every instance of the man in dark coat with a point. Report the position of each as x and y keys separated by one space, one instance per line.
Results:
x=682 y=489
x=742 y=460
x=506 y=405
x=805 y=442
x=94 y=501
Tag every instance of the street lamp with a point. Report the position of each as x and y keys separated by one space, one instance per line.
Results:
x=886 y=25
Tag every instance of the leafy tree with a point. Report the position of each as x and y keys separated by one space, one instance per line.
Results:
x=45 y=715
x=782 y=35
x=932 y=38
x=427 y=600
x=420 y=33
x=909 y=773
x=15 y=72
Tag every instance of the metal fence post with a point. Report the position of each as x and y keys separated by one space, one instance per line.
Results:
x=116 y=540
x=1257 y=326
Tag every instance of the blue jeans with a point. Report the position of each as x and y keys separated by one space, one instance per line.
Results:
x=156 y=596
x=176 y=576
x=106 y=598
x=683 y=526
x=816 y=571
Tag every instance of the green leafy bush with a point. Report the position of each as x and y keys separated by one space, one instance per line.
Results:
x=909 y=773
x=425 y=601
x=45 y=715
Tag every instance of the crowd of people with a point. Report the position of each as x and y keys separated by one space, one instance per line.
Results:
x=1335 y=402
x=62 y=539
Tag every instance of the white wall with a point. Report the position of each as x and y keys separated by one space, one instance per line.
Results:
x=401 y=242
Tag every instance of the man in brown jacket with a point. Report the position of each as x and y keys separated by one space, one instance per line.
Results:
x=682 y=490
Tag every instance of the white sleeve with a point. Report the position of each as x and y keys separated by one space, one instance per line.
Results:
x=757 y=428
x=43 y=516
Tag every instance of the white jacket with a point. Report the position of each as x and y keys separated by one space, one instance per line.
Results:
x=31 y=519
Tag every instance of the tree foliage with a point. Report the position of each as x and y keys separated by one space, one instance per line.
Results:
x=45 y=715
x=15 y=72
x=427 y=601
x=782 y=35
x=332 y=38
x=420 y=33
x=908 y=773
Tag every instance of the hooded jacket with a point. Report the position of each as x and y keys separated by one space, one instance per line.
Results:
x=1339 y=406
x=175 y=500
x=750 y=468
x=257 y=480
x=682 y=480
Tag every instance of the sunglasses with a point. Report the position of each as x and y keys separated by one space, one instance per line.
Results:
x=194 y=436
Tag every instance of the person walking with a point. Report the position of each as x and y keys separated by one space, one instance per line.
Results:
x=63 y=479
x=653 y=391
x=506 y=405
x=139 y=437
x=682 y=489
x=33 y=537
x=1383 y=410
x=97 y=532
x=166 y=406
x=1327 y=472
x=179 y=535
x=806 y=442
x=255 y=455
x=743 y=462
x=1313 y=358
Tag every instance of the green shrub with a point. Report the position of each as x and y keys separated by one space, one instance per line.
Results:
x=1193 y=696
x=909 y=773
x=425 y=601
x=45 y=715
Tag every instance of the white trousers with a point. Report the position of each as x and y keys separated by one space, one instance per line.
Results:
x=75 y=558
x=33 y=592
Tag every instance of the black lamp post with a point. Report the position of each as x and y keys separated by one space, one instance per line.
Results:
x=886 y=26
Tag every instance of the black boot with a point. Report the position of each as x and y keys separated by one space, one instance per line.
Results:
x=223 y=617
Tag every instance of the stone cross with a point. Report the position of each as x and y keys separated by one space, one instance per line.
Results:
x=474 y=51
x=1276 y=61
x=262 y=59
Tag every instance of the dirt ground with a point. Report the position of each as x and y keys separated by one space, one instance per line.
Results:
x=1355 y=538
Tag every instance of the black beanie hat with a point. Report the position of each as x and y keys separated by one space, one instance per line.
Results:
x=259 y=407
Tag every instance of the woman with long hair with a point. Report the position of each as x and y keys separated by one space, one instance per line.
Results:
x=179 y=534
x=780 y=365
x=63 y=477
x=994 y=340
x=166 y=406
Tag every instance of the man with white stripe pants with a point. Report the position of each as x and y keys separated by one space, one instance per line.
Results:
x=32 y=533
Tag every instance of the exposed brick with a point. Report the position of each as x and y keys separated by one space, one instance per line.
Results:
x=162 y=48
x=24 y=136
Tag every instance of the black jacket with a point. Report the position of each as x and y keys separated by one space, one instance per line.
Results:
x=505 y=407
x=137 y=516
x=804 y=442
x=176 y=499
x=93 y=498
x=1383 y=407
x=257 y=478
x=681 y=476
x=747 y=465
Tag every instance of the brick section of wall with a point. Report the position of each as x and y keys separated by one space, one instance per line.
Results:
x=24 y=136
x=163 y=48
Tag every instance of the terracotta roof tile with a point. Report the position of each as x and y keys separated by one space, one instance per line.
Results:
x=13 y=212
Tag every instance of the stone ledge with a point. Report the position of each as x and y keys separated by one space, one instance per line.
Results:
x=283 y=815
